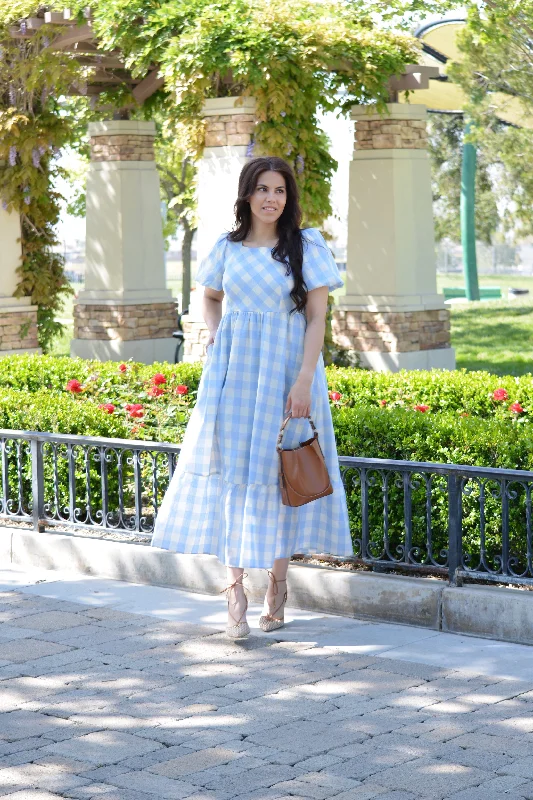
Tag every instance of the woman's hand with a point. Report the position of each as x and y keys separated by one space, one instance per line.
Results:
x=299 y=399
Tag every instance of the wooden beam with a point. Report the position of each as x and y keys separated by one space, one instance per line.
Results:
x=98 y=60
x=148 y=86
x=34 y=23
x=77 y=33
x=18 y=33
x=108 y=77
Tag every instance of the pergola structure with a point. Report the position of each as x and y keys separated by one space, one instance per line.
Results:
x=391 y=312
x=81 y=43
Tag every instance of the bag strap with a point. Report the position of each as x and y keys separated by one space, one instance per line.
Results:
x=282 y=429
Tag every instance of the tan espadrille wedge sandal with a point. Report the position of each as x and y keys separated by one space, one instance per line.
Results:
x=268 y=622
x=240 y=629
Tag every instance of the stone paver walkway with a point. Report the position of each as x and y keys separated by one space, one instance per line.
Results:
x=114 y=704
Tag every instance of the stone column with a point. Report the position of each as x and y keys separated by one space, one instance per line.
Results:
x=391 y=313
x=229 y=129
x=18 y=317
x=125 y=311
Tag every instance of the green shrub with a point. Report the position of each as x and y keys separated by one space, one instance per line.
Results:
x=442 y=390
x=401 y=434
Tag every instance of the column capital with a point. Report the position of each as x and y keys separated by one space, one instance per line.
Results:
x=229 y=121
x=400 y=111
x=121 y=127
x=214 y=106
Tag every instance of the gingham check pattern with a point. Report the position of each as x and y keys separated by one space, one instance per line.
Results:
x=224 y=498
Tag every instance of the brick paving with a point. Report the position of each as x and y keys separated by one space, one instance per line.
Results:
x=105 y=704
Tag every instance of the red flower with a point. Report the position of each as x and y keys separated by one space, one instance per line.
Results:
x=122 y=367
x=500 y=394
x=335 y=395
x=464 y=414
x=135 y=410
x=109 y=408
x=517 y=408
x=181 y=389
x=158 y=379
x=155 y=391
x=422 y=408
x=383 y=402
x=74 y=386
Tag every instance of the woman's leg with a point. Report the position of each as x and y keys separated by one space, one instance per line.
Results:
x=272 y=601
x=236 y=596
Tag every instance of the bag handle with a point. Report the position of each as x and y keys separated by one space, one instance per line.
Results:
x=284 y=423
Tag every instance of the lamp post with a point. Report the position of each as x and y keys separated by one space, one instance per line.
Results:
x=468 y=216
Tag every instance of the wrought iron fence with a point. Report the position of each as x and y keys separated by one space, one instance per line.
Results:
x=449 y=519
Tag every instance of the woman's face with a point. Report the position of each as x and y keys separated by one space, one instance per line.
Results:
x=269 y=196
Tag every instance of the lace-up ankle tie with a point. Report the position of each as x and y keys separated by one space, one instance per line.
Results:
x=269 y=622
x=240 y=628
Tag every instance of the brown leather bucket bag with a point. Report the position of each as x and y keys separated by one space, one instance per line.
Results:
x=303 y=474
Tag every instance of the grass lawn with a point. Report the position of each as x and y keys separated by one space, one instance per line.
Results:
x=495 y=335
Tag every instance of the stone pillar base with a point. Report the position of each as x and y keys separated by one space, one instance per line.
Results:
x=18 y=329
x=145 y=351
x=118 y=331
x=441 y=358
x=196 y=338
x=392 y=340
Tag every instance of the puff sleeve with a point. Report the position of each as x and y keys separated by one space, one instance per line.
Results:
x=211 y=268
x=319 y=267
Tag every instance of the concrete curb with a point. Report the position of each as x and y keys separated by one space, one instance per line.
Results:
x=490 y=612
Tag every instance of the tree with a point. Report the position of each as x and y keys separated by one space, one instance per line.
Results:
x=495 y=70
x=445 y=143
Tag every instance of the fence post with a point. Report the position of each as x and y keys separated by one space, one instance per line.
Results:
x=37 y=484
x=455 y=532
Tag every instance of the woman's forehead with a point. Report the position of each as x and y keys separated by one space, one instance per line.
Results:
x=270 y=178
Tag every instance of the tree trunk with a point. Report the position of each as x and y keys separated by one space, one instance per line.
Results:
x=186 y=246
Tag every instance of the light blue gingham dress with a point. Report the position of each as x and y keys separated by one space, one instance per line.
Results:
x=224 y=497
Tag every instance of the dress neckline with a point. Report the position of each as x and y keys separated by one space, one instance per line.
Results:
x=262 y=247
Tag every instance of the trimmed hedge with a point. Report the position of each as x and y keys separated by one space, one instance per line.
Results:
x=459 y=391
x=442 y=390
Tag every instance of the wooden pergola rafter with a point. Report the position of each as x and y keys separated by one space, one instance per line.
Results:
x=108 y=68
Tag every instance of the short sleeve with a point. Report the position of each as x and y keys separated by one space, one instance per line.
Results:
x=211 y=268
x=319 y=267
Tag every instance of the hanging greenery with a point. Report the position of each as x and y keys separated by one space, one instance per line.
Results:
x=32 y=133
x=296 y=59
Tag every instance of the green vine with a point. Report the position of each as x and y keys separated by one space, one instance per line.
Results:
x=296 y=59
x=32 y=132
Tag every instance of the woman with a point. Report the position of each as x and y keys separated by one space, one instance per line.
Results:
x=264 y=360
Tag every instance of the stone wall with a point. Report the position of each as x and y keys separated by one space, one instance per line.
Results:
x=229 y=129
x=122 y=147
x=391 y=331
x=10 y=330
x=381 y=134
x=125 y=322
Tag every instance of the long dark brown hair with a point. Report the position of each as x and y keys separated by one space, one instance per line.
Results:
x=289 y=249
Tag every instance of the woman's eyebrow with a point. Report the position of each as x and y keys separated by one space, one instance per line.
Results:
x=259 y=185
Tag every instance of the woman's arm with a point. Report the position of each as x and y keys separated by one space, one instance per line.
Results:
x=212 y=310
x=299 y=398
